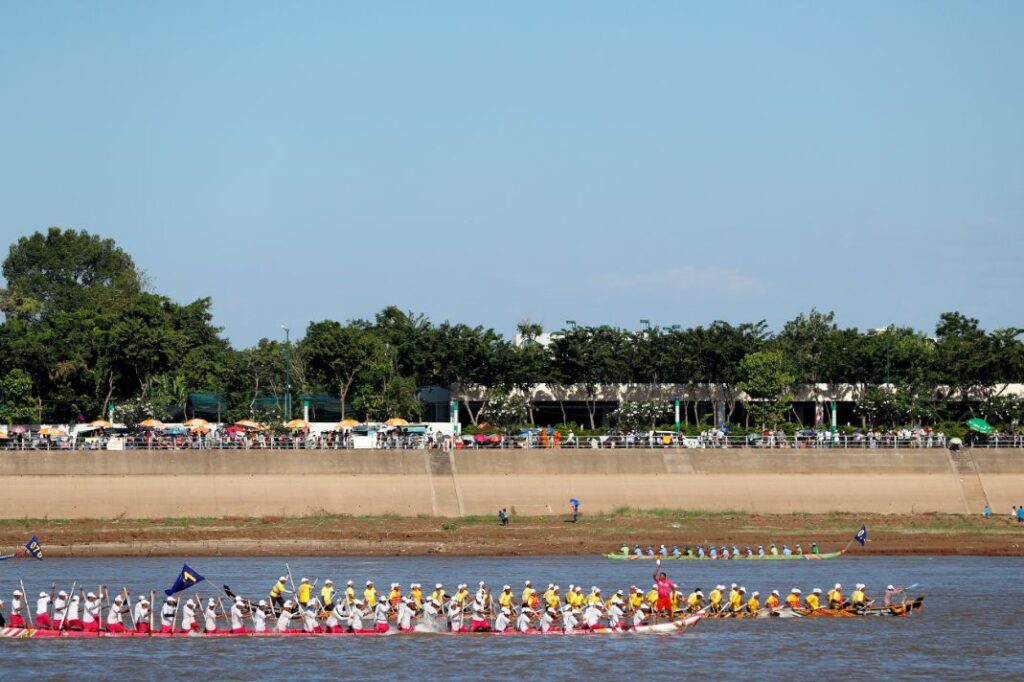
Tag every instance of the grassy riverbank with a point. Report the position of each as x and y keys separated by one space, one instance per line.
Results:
x=323 y=534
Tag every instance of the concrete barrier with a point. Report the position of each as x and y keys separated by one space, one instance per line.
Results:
x=143 y=484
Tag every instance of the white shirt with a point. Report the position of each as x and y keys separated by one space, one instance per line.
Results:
x=501 y=622
x=188 y=616
x=114 y=615
x=592 y=616
x=357 y=618
x=16 y=605
x=141 y=613
x=59 y=605
x=73 y=609
x=569 y=621
x=523 y=622
x=210 y=616
x=283 y=620
x=167 y=615
x=638 y=619
x=42 y=605
x=260 y=617
x=380 y=613
x=90 y=611
x=404 y=616
x=236 y=616
x=546 y=622
x=614 y=615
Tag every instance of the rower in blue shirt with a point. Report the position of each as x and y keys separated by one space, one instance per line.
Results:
x=749 y=551
x=725 y=552
x=735 y=551
x=786 y=551
x=700 y=551
x=714 y=552
x=637 y=551
x=760 y=550
x=675 y=551
x=663 y=551
x=650 y=551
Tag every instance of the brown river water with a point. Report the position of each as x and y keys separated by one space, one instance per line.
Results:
x=969 y=628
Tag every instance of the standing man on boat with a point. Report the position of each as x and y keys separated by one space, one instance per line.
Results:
x=17 y=610
x=278 y=591
x=665 y=588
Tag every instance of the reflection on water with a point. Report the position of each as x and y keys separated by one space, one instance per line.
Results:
x=949 y=638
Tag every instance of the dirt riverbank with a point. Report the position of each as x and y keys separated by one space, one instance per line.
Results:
x=480 y=536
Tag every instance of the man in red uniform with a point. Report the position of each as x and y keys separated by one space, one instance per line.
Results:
x=665 y=588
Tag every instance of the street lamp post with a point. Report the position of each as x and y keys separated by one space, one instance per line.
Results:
x=287 y=375
x=647 y=323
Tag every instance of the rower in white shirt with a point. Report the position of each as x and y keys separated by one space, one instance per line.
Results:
x=569 y=620
x=356 y=614
x=640 y=615
x=284 y=619
x=91 y=613
x=116 y=614
x=403 y=618
x=43 y=621
x=309 y=614
x=210 y=616
x=60 y=606
x=547 y=621
x=142 y=615
x=523 y=622
x=167 y=614
x=503 y=620
x=380 y=616
x=259 y=617
x=615 y=614
x=74 y=621
x=238 y=617
x=188 y=616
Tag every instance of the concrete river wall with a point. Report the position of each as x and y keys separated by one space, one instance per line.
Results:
x=141 y=484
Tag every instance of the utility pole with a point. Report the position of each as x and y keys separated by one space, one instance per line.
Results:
x=287 y=375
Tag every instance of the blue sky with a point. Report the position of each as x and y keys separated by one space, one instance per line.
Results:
x=489 y=162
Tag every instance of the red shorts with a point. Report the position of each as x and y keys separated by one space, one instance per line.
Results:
x=74 y=624
x=239 y=631
x=94 y=626
x=381 y=627
x=17 y=621
x=142 y=627
x=43 y=621
x=194 y=627
x=166 y=629
x=115 y=627
x=479 y=626
x=664 y=604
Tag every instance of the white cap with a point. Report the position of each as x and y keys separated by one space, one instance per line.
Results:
x=506 y=587
x=838 y=586
x=438 y=586
x=350 y=583
x=796 y=590
x=482 y=583
x=775 y=592
x=118 y=599
x=889 y=587
x=283 y=578
x=734 y=586
x=328 y=582
x=394 y=585
x=211 y=601
x=62 y=593
x=742 y=589
x=369 y=582
x=288 y=604
x=141 y=597
x=304 y=580
x=263 y=602
x=817 y=590
x=143 y=601
x=89 y=595
x=17 y=593
x=755 y=593
x=42 y=594
x=596 y=590
x=527 y=583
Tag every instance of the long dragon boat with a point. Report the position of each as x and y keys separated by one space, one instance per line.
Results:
x=902 y=609
x=619 y=556
x=676 y=626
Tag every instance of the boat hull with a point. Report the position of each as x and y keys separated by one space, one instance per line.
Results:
x=767 y=557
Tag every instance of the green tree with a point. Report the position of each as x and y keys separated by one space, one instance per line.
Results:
x=338 y=355
x=16 y=402
x=765 y=377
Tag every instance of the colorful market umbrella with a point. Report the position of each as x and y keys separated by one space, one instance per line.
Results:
x=980 y=426
x=250 y=424
x=52 y=431
x=396 y=421
x=151 y=424
x=346 y=424
x=196 y=422
x=100 y=424
x=3 y=435
x=297 y=424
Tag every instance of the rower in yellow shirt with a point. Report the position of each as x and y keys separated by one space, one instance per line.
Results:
x=636 y=597
x=772 y=602
x=461 y=595
x=395 y=595
x=416 y=592
x=576 y=598
x=528 y=592
x=813 y=600
x=546 y=597
x=278 y=591
x=736 y=599
x=553 y=598
x=370 y=594
x=595 y=596
x=835 y=597
x=695 y=601
x=303 y=592
x=438 y=594
x=327 y=592
x=754 y=604
x=715 y=599
x=505 y=599
x=652 y=596
x=859 y=597
x=793 y=599
x=350 y=592
x=732 y=595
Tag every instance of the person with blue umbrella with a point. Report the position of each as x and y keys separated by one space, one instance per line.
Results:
x=575 y=509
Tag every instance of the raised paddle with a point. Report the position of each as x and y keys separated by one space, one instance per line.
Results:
x=24 y=604
x=67 y=604
x=128 y=603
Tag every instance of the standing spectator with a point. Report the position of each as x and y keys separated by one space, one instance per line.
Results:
x=575 y=509
x=986 y=512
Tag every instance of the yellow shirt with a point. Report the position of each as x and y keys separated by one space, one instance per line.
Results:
x=715 y=597
x=302 y=592
x=652 y=597
x=593 y=598
x=370 y=596
x=735 y=601
x=812 y=601
x=417 y=596
x=546 y=597
x=326 y=594
x=693 y=601
x=278 y=589
x=576 y=599
x=505 y=599
x=793 y=601
x=753 y=605
x=527 y=593
x=552 y=600
x=438 y=596
x=636 y=600
x=732 y=595
x=350 y=594
x=461 y=596
x=857 y=597
x=394 y=596
x=835 y=597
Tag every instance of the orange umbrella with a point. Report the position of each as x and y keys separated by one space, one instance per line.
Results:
x=52 y=431
x=100 y=424
x=297 y=424
x=151 y=424
x=250 y=424
x=196 y=422
x=396 y=421
x=346 y=424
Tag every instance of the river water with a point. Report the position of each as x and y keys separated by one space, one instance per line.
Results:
x=969 y=628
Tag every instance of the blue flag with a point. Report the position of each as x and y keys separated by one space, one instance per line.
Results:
x=186 y=579
x=34 y=548
x=862 y=535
